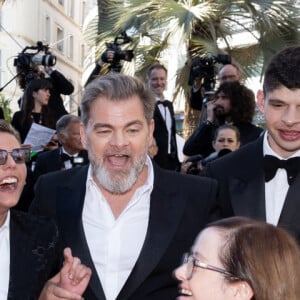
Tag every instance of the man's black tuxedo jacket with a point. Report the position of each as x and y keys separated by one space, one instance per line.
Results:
x=179 y=209
x=163 y=158
x=50 y=161
x=35 y=255
x=240 y=175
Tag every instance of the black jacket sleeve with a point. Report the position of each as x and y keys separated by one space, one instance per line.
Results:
x=200 y=142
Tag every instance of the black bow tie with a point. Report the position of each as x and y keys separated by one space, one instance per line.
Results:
x=164 y=103
x=66 y=157
x=272 y=163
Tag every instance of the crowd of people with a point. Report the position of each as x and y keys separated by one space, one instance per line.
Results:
x=110 y=213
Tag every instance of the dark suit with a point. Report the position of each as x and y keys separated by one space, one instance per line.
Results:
x=179 y=209
x=163 y=158
x=242 y=187
x=50 y=161
x=35 y=255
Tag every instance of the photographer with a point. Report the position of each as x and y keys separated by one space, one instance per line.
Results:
x=113 y=55
x=233 y=103
x=28 y=66
x=60 y=85
x=99 y=65
x=228 y=72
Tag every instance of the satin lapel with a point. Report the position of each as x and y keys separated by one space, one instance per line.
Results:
x=17 y=253
x=159 y=120
x=247 y=187
x=289 y=217
x=69 y=206
x=248 y=197
x=166 y=209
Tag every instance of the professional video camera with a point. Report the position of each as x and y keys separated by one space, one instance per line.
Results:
x=204 y=68
x=118 y=54
x=26 y=61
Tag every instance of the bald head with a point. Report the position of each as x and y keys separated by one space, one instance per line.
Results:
x=229 y=72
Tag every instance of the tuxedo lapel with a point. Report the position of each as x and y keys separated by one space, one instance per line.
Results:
x=69 y=206
x=18 y=272
x=166 y=209
x=289 y=218
x=159 y=120
x=248 y=197
x=247 y=187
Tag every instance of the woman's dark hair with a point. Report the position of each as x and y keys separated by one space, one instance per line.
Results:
x=227 y=126
x=263 y=255
x=34 y=86
x=242 y=101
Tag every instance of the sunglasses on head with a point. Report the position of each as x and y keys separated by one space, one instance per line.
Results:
x=19 y=155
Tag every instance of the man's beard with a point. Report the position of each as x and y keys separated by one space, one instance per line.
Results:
x=220 y=114
x=122 y=180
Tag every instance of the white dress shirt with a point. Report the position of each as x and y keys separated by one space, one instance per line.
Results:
x=276 y=189
x=115 y=244
x=4 y=257
x=166 y=114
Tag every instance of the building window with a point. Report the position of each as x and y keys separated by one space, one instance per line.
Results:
x=60 y=39
x=71 y=46
x=82 y=55
x=47 y=29
x=71 y=9
x=83 y=9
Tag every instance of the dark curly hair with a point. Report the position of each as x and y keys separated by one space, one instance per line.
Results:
x=283 y=70
x=242 y=101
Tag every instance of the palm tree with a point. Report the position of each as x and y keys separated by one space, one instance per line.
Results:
x=199 y=28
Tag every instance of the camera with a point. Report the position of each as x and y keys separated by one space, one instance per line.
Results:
x=118 y=53
x=27 y=61
x=203 y=68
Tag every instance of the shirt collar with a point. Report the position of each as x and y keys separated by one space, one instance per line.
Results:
x=64 y=151
x=6 y=222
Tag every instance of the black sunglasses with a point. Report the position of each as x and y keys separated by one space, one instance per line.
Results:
x=19 y=155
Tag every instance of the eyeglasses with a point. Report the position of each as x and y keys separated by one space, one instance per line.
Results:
x=192 y=262
x=19 y=155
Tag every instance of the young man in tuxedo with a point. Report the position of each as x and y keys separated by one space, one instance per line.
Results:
x=164 y=120
x=127 y=219
x=261 y=179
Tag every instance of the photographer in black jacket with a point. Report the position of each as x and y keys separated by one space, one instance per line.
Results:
x=233 y=103
x=60 y=84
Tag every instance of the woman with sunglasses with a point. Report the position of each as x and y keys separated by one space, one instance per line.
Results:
x=241 y=259
x=30 y=252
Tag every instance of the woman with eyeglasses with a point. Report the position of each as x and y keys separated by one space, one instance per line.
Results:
x=30 y=252
x=241 y=259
